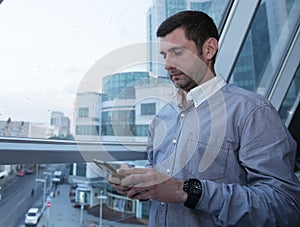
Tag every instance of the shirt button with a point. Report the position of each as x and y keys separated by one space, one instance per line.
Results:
x=174 y=141
x=168 y=171
x=162 y=203
x=182 y=115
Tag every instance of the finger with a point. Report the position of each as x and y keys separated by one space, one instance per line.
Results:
x=134 y=180
x=144 y=178
x=143 y=196
x=137 y=193
x=121 y=189
x=124 y=166
x=122 y=192
x=121 y=170
x=129 y=171
x=114 y=180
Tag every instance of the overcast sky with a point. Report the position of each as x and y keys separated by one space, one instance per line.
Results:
x=46 y=47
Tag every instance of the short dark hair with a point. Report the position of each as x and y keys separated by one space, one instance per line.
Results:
x=198 y=26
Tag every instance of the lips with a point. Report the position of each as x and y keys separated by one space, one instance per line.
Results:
x=175 y=75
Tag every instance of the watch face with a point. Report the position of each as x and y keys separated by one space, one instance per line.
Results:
x=195 y=187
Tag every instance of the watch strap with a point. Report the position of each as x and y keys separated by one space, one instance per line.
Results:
x=193 y=188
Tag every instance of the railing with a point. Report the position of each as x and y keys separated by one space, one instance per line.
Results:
x=42 y=151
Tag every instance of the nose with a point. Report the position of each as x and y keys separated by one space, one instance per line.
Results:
x=168 y=63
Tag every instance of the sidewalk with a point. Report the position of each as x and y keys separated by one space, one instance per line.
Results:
x=63 y=214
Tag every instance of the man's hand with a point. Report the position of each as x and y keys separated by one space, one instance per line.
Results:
x=116 y=182
x=148 y=183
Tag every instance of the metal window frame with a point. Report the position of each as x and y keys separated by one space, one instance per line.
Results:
x=293 y=110
x=286 y=73
x=233 y=35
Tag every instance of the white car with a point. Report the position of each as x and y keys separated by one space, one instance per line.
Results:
x=32 y=216
x=3 y=174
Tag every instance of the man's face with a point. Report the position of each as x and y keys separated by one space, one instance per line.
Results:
x=184 y=66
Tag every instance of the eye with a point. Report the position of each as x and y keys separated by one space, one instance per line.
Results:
x=178 y=51
x=163 y=55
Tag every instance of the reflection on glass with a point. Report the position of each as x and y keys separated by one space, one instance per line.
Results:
x=51 y=49
x=46 y=52
x=46 y=49
x=163 y=9
x=265 y=46
x=286 y=110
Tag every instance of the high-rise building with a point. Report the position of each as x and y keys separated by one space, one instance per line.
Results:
x=87 y=116
x=61 y=123
x=268 y=32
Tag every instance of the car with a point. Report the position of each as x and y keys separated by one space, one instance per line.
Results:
x=20 y=173
x=3 y=174
x=58 y=177
x=29 y=171
x=32 y=216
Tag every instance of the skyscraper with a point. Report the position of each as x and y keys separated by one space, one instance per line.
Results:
x=61 y=122
x=256 y=66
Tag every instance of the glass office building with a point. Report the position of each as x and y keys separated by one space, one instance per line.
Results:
x=118 y=118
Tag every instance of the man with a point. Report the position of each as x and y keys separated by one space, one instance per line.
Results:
x=219 y=155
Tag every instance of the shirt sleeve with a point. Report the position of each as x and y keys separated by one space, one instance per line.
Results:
x=271 y=196
x=149 y=146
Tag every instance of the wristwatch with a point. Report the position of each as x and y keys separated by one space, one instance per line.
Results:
x=193 y=188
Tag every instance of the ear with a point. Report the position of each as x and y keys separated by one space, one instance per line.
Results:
x=210 y=48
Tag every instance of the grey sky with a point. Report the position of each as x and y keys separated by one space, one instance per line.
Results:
x=46 y=47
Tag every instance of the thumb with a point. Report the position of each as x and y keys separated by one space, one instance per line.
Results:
x=124 y=166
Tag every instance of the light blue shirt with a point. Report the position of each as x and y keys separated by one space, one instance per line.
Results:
x=232 y=140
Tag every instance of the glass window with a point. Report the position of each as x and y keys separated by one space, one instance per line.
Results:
x=286 y=110
x=83 y=112
x=47 y=51
x=141 y=130
x=87 y=130
x=80 y=169
x=266 y=44
x=148 y=109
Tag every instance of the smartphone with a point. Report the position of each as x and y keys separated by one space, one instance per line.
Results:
x=108 y=168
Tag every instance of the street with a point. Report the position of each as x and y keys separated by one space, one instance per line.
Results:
x=17 y=199
x=18 y=194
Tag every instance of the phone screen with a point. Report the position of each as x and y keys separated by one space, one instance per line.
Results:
x=108 y=168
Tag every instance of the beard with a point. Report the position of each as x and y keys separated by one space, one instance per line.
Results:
x=186 y=83
x=182 y=80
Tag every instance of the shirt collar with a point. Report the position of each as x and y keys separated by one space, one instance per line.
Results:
x=202 y=92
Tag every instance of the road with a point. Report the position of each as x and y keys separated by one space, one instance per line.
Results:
x=17 y=198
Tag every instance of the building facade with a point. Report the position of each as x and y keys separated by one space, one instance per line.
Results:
x=61 y=122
